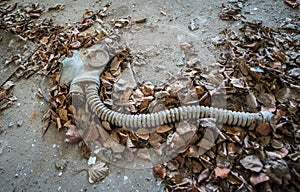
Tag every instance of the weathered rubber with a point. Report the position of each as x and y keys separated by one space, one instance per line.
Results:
x=172 y=115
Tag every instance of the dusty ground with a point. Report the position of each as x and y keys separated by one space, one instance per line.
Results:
x=28 y=159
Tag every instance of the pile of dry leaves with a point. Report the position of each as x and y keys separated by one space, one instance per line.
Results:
x=261 y=66
x=260 y=69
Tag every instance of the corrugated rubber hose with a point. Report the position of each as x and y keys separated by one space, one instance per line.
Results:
x=172 y=115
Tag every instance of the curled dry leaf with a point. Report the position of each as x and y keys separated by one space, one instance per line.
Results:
x=98 y=172
x=203 y=175
x=159 y=171
x=73 y=135
x=142 y=20
x=293 y=3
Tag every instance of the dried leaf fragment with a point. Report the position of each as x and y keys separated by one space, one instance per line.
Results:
x=222 y=172
x=143 y=133
x=258 y=178
x=252 y=163
x=292 y=3
x=7 y=85
x=44 y=40
x=142 y=20
x=163 y=129
x=264 y=129
x=73 y=135
x=98 y=172
x=57 y=7
x=63 y=114
x=203 y=175
x=2 y=95
x=159 y=171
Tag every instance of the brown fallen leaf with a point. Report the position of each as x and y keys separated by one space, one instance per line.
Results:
x=63 y=114
x=159 y=171
x=176 y=177
x=163 y=129
x=292 y=3
x=142 y=20
x=143 y=133
x=98 y=172
x=222 y=172
x=264 y=129
x=2 y=94
x=155 y=140
x=44 y=40
x=256 y=179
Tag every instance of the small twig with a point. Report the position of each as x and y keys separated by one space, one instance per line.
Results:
x=75 y=172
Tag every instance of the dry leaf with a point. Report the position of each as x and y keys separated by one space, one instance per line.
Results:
x=159 y=171
x=163 y=129
x=258 y=178
x=7 y=85
x=143 y=133
x=264 y=129
x=293 y=3
x=44 y=40
x=2 y=94
x=72 y=135
x=57 y=7
x=98 y=172
x=252 y=163
x=63 y=114
x=155 y=140
x=176 y=177
x=203 y=175
x=222 y=172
